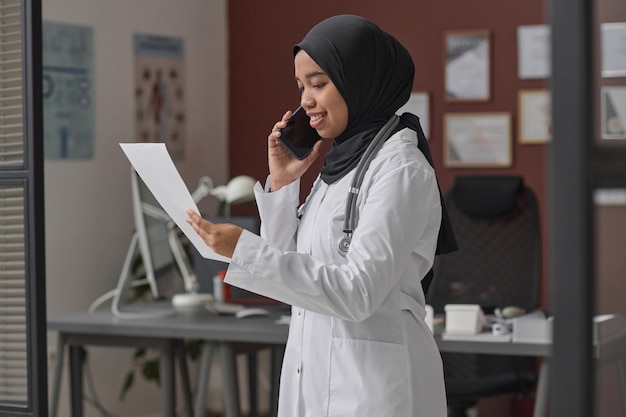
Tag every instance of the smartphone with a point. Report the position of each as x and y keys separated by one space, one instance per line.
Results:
x=298 y=136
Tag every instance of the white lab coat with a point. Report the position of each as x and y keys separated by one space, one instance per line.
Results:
x=358 y=344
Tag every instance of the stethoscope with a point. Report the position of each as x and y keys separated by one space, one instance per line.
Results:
x=349 y=222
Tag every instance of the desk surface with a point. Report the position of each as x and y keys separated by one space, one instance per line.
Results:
x=201 y=325
x=494 y=348
x=206 y=326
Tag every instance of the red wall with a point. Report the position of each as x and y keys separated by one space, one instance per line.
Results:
x=262 y=88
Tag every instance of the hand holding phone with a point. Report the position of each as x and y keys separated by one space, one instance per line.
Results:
x=298 y=136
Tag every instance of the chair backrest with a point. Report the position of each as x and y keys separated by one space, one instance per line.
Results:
x=495 y=220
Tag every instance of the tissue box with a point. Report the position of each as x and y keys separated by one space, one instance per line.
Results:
x=464 y=319
x=533 y=327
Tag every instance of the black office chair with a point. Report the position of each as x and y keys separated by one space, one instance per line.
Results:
x=495 y=219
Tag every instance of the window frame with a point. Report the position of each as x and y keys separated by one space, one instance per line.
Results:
x=30 y=175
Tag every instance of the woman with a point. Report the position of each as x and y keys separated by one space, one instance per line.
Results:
x=358 y=344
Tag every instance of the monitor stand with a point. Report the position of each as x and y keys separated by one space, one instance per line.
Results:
x=123 y=284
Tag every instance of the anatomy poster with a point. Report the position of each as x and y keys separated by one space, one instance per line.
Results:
x=159 y=92
x=68 y=91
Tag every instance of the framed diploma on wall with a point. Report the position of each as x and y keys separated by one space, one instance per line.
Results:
x=477 y=140
x=419 y=104
x=534 y=116
x=613 y=113
x=613 y=39
x=467 y=59
x=533 y=51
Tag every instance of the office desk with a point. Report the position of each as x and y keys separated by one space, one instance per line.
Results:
x=220 y=332
x=166 y=334
x=611 y=350
x=541 y=350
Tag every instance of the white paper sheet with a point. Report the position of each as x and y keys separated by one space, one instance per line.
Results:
x=157 y=170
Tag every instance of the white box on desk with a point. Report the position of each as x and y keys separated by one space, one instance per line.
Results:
x=533 y=327
x=464 y=319
x=606 y=326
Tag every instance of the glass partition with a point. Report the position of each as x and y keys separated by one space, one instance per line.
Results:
x=608 y=29
x=609 y=331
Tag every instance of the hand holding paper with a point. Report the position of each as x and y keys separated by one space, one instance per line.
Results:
x=221 y=237
x=156 y=168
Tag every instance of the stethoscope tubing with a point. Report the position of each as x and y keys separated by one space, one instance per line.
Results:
x=349 y=223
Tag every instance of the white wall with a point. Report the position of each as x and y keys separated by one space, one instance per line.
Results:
x=88 y=209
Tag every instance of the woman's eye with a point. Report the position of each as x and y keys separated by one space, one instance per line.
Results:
x=301 y=88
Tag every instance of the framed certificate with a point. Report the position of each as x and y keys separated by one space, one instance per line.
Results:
x=468 y=65
x=534 y=116
x=613 y=50
x=533 y=51
x=477 y=140
x=613 y=113
x=419 y=105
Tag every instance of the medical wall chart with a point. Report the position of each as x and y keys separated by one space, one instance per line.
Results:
x=159 y=92
x=68 y=91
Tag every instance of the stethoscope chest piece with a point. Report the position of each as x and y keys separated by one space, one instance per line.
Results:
x=344 y=244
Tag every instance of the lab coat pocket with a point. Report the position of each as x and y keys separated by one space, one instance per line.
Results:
x=368 y=379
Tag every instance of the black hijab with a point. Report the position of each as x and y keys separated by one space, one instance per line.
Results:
x=373 y=73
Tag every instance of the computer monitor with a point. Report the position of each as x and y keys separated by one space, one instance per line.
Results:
x=206 y=269
x=157 y=241
x=151 y=224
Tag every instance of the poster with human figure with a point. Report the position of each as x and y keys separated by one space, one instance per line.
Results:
x=159 y=92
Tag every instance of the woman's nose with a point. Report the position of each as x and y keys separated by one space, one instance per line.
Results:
x=306 y=101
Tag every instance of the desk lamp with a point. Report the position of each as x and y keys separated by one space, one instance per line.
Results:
x=238 y=190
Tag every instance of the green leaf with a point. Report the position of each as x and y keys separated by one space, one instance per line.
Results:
x=139 y=353
x=128 y=382
x=150 y=370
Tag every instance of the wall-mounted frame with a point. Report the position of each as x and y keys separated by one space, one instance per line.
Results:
x=477 y=140
x=613 y=39
x=419 y=105
x=534 y=116
x=533 y=51
x=467 y=62
x=613 y=113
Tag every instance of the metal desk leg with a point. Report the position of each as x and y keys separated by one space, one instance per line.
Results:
x=184 y=377
x=204 y=373
x=58 y=374
x=541 y=399
x=168 y=384
x=252 y=384
x=622 y=383
x=229 y=376
x=277 y=361
x=598 y=367
x=76 y=380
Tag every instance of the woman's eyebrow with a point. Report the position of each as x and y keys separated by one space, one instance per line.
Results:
x=312 y=74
